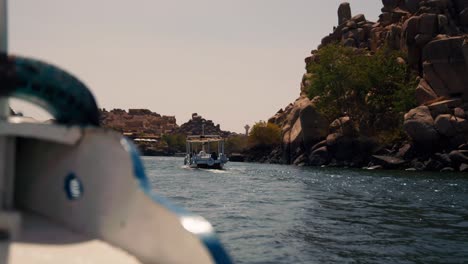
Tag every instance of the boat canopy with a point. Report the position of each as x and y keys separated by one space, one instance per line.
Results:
x=205 y=138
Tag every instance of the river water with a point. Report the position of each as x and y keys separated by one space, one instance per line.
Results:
x=285 y=214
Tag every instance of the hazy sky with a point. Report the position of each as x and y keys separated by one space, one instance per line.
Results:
x=235 y=62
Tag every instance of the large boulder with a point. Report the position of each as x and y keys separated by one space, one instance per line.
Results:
x=445 y=125
x=406 y=151
x=292 y=141
x=445 y=68
x=359 y=18
x=348 y=148
x=419 y=125
x=302 y=127
x=443 y=107
x=443 y=22
x=410 y=30
x=320 y=144
x=314 y=126
x=387 y=161
x=394 y=37
x=301 y=160
x=459 y=156
x=450 y=126
x=319 y=157
x=343 y=126
x=390 y=4
x=461 y=125
x=459 y=112
x=340 y=147
x=428 y=24
x=424 y=92
x=412 y=5
x=344 y=13
x=295 y=137
x=444 y=49
x=463 y=167
x=289 y=116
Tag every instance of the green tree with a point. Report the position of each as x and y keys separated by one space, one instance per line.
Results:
x=236 y=144
x=264 y=134
x=374 y=90
x=175 y=142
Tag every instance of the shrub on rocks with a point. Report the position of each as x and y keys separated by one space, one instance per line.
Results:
x=371 y=90
x=264 y=134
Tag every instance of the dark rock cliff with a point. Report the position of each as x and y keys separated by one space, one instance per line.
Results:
x=434 y=36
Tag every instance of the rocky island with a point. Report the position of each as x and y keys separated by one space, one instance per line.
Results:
x=156 y=134
x=386 y=94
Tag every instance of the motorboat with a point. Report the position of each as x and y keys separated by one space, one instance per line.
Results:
x=205 y=151
x=73 y=192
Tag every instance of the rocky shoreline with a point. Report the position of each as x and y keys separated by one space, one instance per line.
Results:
x=433 y=35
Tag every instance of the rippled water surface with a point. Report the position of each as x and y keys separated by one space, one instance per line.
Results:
x=285 y=214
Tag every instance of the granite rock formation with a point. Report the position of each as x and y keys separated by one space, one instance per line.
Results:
x=197 y=122
x=434 y=36
x=301 y=126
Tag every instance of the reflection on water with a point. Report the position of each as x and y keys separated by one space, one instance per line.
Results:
x=284 y=214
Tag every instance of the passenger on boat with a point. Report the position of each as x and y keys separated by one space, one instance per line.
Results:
x=214 y=155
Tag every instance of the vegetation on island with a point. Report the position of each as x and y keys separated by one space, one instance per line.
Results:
x=175 y=142
x=373 y=89
x=264 y=137
x=387 y=94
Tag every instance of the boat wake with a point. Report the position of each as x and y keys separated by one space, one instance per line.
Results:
x=216 y=171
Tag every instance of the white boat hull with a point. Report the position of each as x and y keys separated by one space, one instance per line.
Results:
x=205 y=162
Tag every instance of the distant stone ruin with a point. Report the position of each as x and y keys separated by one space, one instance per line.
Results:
x=138 y=122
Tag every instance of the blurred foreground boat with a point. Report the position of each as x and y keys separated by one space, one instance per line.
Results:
x=71 y=192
